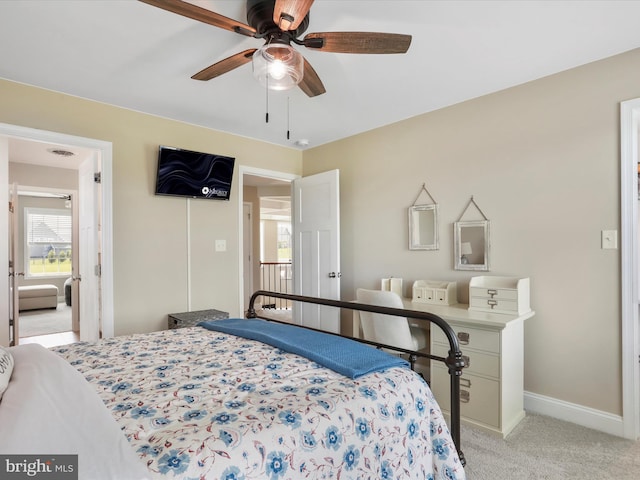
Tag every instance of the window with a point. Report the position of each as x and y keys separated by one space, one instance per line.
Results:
x=47 y=242
x=284 y=241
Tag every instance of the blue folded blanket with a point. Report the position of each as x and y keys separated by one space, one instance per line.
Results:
x=347 y=357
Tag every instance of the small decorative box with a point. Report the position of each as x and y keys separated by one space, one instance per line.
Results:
x=435 y=292
x=499 y=294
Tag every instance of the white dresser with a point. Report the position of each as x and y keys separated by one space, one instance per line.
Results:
x=491 y=386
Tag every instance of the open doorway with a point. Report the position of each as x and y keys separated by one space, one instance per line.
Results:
x=266 y=232
x=95 y=268
x=276 y=249
x=45 y=240
x=315 y=249
x=47 y=252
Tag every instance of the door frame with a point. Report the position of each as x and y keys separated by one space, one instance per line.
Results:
x=247 y=242
x=630 y=330
x=105 y=151
x=258 y=172
x=73 y=193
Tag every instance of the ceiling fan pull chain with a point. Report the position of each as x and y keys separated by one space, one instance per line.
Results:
x=267 y=100
x=288 y=130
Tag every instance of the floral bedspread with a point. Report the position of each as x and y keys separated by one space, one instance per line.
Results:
x=197 y=404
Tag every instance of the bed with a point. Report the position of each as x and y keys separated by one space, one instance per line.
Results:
x=214 y=402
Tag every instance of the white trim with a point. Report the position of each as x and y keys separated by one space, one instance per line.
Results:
x=259 y=172
x=629 y=125
x=106 y=279
x=106 y=158
x=249 y=206
x=574 y=413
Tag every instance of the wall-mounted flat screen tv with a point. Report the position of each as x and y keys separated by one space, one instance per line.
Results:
x=185 y=173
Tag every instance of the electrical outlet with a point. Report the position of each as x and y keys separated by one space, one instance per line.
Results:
x=221 y=245
x=609 y=239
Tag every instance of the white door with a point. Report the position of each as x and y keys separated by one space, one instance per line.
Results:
x=88 y=264
x=247 y=249
x=316 y=264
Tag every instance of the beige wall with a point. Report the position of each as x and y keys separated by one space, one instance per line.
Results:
x=542 y=162
x=149 y=232
x=25 y=174
x=269 y=234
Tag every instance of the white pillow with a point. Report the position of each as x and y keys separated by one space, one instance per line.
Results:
x=50 y=407
x=6 y=368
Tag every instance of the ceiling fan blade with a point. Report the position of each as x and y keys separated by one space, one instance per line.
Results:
x=358 y=42
x=311 y=83
x=202 y=15
x=288 y=14
x=224 y=66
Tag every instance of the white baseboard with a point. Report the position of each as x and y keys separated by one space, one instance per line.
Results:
x=574 y=413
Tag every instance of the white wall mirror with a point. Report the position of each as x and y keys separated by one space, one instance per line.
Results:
x=423 y=227
x=471 y=245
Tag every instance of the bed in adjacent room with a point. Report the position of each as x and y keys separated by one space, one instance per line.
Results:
x=214 y=402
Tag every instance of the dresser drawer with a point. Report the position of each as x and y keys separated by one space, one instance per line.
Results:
x=479 y=397
x=499 y=294
x=497 y=305
x=470 y=338
x=476 y=362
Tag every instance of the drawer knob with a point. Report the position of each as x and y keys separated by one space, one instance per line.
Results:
x=492 y=293
x=465 y=396
x=465 y=382
x=464 y=338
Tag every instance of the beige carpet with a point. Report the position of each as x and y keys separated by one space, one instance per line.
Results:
x=45 y=321
x=544 y=448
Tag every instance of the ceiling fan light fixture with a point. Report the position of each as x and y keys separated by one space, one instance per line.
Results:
x=278 y=66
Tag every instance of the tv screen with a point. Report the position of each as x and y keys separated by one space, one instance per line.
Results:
x=191 y=174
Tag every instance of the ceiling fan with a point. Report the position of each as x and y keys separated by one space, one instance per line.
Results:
x=281 y=22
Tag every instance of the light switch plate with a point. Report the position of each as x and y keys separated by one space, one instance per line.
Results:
x=609 y=239
x=221 y=245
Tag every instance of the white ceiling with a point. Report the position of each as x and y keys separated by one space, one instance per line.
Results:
x=137 y=56
x=47 y=154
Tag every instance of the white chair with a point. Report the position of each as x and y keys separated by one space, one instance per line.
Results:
x=388 y=329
